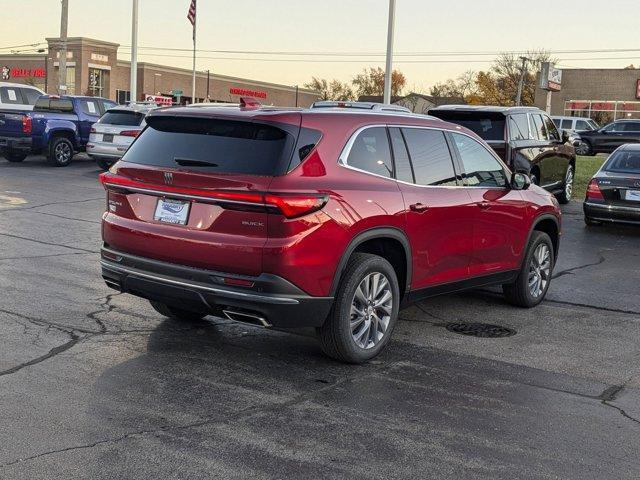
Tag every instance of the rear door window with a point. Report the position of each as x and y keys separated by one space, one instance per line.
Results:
x=481 y=167
x=90 y=107
x=401 y=160
x=124 y=118
x=214 y=145
x=11 y=95
x=631 y=127
x=370 y=152
x=488 y=126
x=30 y=95
x=566 y=124
x=518 y=127
x=552 y=131
x=582 y=125
x=430 y=157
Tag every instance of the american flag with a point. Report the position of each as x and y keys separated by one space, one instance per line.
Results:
x=192 y=13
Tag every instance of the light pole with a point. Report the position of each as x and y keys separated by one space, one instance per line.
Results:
x=521 y=82
x=62 y=62
x=155 y=75
x=133 y=94
x=388 y=74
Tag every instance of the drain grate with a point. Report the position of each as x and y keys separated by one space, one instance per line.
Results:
x=483 y=330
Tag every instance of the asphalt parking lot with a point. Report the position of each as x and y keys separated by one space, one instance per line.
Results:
x=94 y=384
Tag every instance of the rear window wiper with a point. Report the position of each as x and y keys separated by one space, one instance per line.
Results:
x=190 y=162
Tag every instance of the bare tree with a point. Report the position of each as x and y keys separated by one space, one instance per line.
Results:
x=371 y=82
x=331 y=90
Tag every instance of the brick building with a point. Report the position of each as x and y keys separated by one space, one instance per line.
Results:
x=93 y=68
x=603 y=94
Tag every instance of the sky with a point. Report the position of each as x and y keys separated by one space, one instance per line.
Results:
x=349 y=27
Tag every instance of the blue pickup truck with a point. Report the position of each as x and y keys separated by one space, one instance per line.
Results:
x=58 y=126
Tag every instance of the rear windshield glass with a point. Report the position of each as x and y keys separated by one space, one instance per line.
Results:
x=47 y=104
x=129 y=119
x=213 y=145
x=487 y=127
x=624 y=162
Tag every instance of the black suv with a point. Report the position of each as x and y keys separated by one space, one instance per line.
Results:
x=525 y=138
x=609 y=137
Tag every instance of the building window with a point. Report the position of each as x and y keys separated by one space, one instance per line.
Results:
x=123 y=96
x=97 y=82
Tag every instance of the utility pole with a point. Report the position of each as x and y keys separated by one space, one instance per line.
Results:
x=297 y=90
x=208 y=81
x=521 y=82
x=133 y=87
x=388 y=74
x=62 y=62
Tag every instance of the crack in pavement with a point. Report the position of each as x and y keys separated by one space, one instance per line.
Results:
x=68 y=218
x=51 y=353
x=46 y=256
x=611 y=394
x=50 y=204
x=241 y=415
x=570 y=271
x=50 y=244
x=592 y=307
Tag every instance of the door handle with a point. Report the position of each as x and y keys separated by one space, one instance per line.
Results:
x=419 y=207
x=483 y=205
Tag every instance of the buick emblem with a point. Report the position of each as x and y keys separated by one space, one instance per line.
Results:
x=168 y=178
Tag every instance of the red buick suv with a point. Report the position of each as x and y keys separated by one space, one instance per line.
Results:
x=332 y=217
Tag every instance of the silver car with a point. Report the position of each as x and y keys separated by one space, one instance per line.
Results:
x=117 y=129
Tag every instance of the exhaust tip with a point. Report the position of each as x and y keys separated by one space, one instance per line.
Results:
x=249 y=318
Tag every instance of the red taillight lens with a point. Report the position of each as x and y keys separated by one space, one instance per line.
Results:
x=293 y=206
x=130 y=133
x=290 y=205
x=27 y=125
x=593 y=190
x=93 y=130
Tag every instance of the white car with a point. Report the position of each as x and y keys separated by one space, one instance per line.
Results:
x=18 y=96
x=575 y=124
x=116 y=130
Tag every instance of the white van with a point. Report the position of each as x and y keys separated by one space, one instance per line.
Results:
x=575 y=124
x=18 y=96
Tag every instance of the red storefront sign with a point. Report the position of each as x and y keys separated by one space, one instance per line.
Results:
x=159 y=100
x=8 y=73
x=247 y=93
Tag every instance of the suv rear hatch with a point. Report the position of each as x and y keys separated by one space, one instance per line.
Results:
x=117 y=128
x=191 y=189
x=490 y=126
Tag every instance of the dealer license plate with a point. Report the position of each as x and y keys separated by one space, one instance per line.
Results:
x=633 y=195
x=107 y=137
x=171 y=211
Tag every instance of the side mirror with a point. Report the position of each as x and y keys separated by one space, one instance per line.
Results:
x=565 y=136
x=520 y=181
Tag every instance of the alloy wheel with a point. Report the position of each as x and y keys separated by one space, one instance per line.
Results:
x=568 y=183
x=62 y=153
x=371 y=310
x=539 y=270
x=582 y=148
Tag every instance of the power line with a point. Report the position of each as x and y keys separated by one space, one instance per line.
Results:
x=25 y=45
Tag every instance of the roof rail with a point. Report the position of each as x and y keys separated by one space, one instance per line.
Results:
x=376 y=107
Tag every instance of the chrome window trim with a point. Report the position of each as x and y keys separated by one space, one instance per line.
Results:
x=346 y=150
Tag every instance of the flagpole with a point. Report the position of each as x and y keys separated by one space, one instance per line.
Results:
x=193 y=80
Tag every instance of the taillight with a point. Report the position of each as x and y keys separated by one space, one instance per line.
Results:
x=93 y=130
x=130 y=133
x=593 y=190
x=27 y=125
x=291 y=205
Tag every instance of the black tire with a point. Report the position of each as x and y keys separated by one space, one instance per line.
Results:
x=60 y=152
x=518 y=293
x=585 y=148
x=13 y=157
x=177 y=313
x=591 y=222
x=567 y=186
x=336 y=337
x=103 y=164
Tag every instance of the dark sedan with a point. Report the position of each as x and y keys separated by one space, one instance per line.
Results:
x=613 y=194
x=609 y=137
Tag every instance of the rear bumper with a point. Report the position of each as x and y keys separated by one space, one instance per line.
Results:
x=273 y=298
x=23 y=144
x=611 y=213
x=106 y=151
